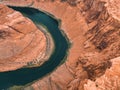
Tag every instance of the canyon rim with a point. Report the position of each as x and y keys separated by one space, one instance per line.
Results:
x=93 y=28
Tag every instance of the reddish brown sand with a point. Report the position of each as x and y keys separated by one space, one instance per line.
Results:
x=93 y=27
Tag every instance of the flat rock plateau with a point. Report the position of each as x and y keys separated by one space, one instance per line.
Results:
x=18 y=35
x=93 y=27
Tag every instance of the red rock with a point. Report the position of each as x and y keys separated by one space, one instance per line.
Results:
x=93 y=29
x=20 y=40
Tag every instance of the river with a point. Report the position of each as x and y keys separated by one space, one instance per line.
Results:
x=24 y=76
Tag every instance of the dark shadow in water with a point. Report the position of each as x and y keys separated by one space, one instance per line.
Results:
x=27 y=75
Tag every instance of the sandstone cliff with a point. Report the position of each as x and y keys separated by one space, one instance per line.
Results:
x=93 y=27
x=20 y=40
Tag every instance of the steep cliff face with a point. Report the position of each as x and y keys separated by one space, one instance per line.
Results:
x=104 y=34
x=97 y=32
x=109 y=81
x=20 y=40
x=93 y=27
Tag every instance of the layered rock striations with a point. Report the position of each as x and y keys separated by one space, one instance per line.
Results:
x=109 y=81
x=21 y=42
x=93 y=27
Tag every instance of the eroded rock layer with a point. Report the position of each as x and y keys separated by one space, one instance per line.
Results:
x=20 y=40
x=93 y=27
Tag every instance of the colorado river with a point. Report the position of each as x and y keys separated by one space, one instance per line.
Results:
x=27 y=75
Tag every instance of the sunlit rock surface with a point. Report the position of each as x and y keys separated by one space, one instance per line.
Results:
x=109 y=81
x=93 y=27
x=20 y=40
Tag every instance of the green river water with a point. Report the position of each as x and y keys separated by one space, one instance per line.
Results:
x=24 y=76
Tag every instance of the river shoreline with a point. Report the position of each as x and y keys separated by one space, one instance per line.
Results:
x=63 y=33
x=87 y=66
x=65 y=57
x=47 y=31
x=59 y=26
x=49 y=48
x=31 y=5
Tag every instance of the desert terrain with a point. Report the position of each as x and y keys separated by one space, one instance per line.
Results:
x=93 y=28
x=18 y=35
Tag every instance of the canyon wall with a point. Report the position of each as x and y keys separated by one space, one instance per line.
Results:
x=21 y=42
x=93 y=27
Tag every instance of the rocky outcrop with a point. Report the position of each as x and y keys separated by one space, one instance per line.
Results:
x=93 y=29
x=109 y=81
x=21 y=41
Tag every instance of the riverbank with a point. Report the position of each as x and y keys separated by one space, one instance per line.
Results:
x=16 y=41
x=92 y=26
x=75 y=35
x=43 y=52
x=61 y=48
x=49 y=49
x=82 y=23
